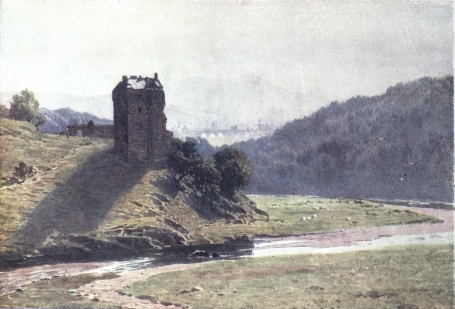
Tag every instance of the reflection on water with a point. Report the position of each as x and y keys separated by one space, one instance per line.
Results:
x=122 y=266
x=271 y=247
x=263 y=247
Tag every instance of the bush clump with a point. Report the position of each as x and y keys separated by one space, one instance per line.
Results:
x=22 y=171
x=222 y=175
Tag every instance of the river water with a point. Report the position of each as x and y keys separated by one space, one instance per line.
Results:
x=270 y=247
x=267 y=247
x=344 y=240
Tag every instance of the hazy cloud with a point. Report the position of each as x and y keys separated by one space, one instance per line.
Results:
x=325 y=49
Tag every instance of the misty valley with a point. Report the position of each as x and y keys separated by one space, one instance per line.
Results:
x=350 y=207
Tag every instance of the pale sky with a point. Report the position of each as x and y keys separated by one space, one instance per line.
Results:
x=328 y=50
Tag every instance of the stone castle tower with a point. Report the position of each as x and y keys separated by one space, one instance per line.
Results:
x=139 y=121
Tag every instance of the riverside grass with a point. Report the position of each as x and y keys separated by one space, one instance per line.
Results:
x=286 y=213
x=58 y=158
x=414 y=276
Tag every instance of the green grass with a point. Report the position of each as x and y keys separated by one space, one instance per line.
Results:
x=416 y=276
x=77 y=176
x=286 y=214
x=55 y=158
x=55 y=293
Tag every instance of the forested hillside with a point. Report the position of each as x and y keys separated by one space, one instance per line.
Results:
x=364 y=147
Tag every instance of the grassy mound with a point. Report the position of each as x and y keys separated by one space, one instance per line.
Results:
x=82 y=199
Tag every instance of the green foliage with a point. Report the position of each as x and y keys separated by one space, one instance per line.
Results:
x=235 y=169
x=38 y=120
x=229 y=170
x=206 y=179
x=25 y=107
x=183 y=159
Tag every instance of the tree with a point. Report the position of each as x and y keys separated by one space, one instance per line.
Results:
x=183 y=158
x=4 y=111
x=206 y=179
x=25 y=107
x=235 y=169
x=38 y=120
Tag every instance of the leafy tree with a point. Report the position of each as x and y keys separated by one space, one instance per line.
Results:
x=206 y=179
x=4 y=111
x=38 y=120
x=229 y=170
x=25 y=107
x=235 y=169
x=203 y=147
x=183 y=158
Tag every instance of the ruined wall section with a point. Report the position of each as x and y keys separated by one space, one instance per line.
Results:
x=120 y=121
x=160 y=139
x=98 y=131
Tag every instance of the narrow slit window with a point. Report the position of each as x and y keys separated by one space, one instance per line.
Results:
x=139 y=110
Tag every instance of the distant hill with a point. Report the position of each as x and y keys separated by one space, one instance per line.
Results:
x=59 y=119
x=364 y=146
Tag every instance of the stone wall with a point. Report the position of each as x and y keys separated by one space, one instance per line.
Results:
x=99 y=131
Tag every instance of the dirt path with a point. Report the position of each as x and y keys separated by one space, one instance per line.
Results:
x=106 y=290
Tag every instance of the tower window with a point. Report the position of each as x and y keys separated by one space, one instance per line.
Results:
x=139 y=110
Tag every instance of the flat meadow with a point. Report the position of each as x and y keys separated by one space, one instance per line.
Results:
x=402 y=277
x=298 y=215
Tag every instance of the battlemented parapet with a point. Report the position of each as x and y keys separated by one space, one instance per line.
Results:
x=139 y=121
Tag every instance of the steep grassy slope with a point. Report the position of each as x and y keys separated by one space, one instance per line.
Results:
x=84 y=203
x=83 y=199
x=55 y=159
x=362 y=147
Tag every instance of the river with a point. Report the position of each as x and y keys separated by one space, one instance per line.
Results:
x=343 y=240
